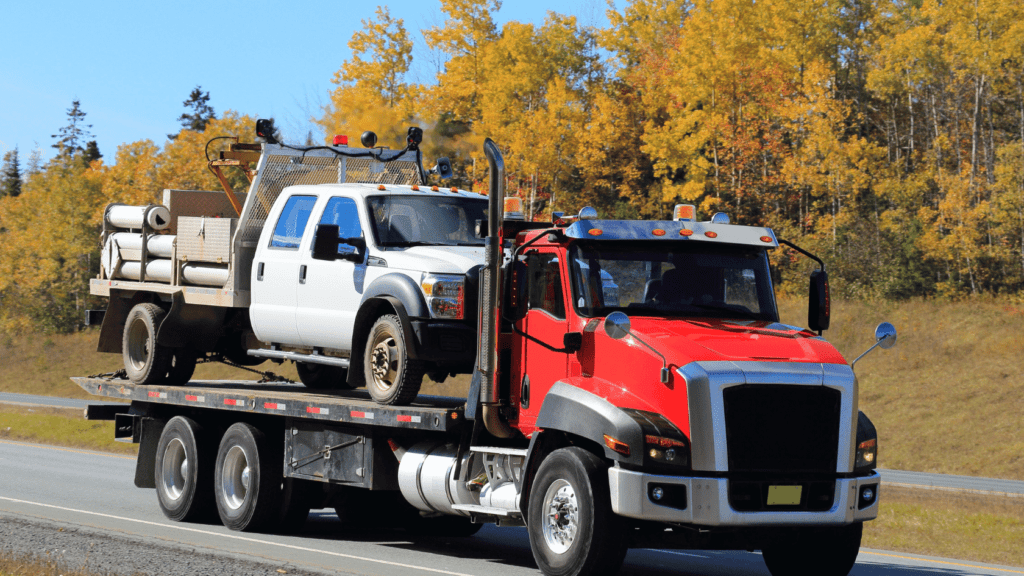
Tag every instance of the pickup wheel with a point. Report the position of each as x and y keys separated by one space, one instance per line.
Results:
x=392 y=378
x=246 y=482
x=824 y=551
x=322 y=376
x=182 y=366
x=571 y=524
x=145 y=361
x=184 y=471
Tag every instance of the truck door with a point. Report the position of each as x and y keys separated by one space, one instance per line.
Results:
x=545 y=321
x=275 y=274
x=329 y=296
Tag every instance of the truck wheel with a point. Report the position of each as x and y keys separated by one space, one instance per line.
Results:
x=182 y=366
x=571 y=524
x=184 y=471
x=392 y=377
x=246 y=483
x=145 y=361
x=824 y=551
x=322 y=376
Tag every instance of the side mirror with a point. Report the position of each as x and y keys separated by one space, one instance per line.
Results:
x=617 y=325
x=326 y=242
x=572 y=341
x=819 y=302
x=885 y=337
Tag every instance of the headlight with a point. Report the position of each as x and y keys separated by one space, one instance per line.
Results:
x=867 y=454
x=667 y=450
x=445 y=295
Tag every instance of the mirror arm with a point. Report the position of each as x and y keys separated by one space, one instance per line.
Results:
x=804 y=252
x=876 y=344
x=664 y=361
x=542 y=343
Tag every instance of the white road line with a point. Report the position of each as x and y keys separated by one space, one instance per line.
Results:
x=234 y=537
x=62 y=449
x=953 y=489
x=676 y=553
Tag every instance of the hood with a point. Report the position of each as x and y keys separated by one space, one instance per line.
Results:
x=436 y=259
x=703 y=339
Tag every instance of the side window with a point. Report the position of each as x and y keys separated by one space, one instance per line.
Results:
x=545 y=284
x=292 y=222
x=343 y=213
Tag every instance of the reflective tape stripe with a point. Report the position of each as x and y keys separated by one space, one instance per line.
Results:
x=405 y=418
x=233 y=402
x=366 y=415
x=157 y=394
x=315 y=410
x=273 y=406
x=191 y=398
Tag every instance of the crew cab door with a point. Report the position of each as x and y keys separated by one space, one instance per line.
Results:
x=545 y=321
x=275 y=273
x=329 y=294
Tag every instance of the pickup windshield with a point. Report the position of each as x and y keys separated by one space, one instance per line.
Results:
x=426 y=220
x=691 y=279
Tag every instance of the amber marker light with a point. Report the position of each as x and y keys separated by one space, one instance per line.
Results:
x=686 y=232
x=415 y=188
x=616 y=445
x=711 y=234
x=454 y=189
x=594 y=232
x=381 y=187
x=658 y=232
x=767 y=239
x=434 y=188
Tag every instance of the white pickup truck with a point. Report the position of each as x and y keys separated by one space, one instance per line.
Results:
x=341 y=259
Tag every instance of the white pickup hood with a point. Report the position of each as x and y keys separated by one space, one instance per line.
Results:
x=436 y=259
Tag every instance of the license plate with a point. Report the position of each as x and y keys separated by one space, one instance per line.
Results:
x=784 y=495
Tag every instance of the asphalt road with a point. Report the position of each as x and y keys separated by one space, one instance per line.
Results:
x=49 y=493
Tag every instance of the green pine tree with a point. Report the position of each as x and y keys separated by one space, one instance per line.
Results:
x=70 y=137
x=199 y=112
x=10 y=175
x=92 y=152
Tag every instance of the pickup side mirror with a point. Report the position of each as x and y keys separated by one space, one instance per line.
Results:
x=819 y=306
x=572 y=342
x=326 y=242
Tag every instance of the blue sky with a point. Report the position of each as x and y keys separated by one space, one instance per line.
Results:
x=132 y=64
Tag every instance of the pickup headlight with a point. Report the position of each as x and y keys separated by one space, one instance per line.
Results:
x=445 y=295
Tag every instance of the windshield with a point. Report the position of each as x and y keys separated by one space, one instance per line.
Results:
x=426 y=220
x=678 y=279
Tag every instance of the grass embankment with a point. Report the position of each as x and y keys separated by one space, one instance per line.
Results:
x=23 y=565
x=60 y=427
x=965 y=526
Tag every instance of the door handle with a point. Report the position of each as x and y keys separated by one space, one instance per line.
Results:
x=259 y=272
x=302 y=274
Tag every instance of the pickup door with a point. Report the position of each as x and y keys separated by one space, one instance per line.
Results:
x=275 y=274
x=330 y=293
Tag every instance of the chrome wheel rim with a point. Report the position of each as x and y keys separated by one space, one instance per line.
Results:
x=560 y=523
x=139 y=344
x=384 y=364
x=235 y=477
x=174 y=472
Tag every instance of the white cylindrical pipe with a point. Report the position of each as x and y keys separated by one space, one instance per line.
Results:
x=160 y=271
x=131 y=217
x=157 y=245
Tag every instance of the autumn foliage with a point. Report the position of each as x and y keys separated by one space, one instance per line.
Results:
x=884 y=135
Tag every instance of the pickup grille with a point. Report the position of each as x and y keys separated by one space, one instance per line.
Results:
x=780 y=428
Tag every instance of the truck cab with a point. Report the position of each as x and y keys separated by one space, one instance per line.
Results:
x=402 y=256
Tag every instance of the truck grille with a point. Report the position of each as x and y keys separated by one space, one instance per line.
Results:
x=779 y=428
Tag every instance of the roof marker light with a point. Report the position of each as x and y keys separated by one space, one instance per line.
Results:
x=434 y=189
x=684 y=213
x=686 y=232
x=381 y=187
x=514 y=208
x=415 y=188
x=454 y=189
x=340 y=140
x=711 y=234
x=594 y=232
x=658 y=232
x=767 y=239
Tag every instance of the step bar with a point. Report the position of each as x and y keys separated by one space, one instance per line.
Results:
x=297 y=357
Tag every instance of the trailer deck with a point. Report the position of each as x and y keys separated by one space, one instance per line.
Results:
x=429 y=413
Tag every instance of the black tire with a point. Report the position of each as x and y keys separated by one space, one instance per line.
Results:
x=392 y=378
x=322 y=376
x=145 y=361
x=295 y=507
x=181 y=366
x=183 y=471
x=247 y=483
x=571 y=524
x=819 y=551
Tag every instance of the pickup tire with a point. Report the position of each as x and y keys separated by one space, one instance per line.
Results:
x=571 y=524
x=392 y=378
x=820 y=551
x=145 y=361
x=322 y=376
x=183 y=471
x=246 y=480
x=182 y=366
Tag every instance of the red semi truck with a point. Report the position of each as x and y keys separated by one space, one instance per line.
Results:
x=633 y=387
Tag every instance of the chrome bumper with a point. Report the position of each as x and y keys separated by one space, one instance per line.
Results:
x=708 y=502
